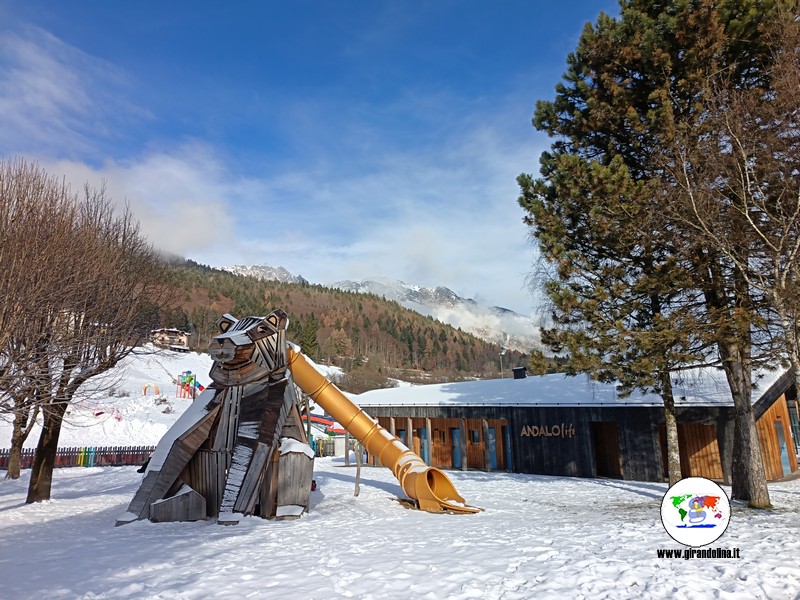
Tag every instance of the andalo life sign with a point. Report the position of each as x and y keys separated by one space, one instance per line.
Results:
x=560 y=431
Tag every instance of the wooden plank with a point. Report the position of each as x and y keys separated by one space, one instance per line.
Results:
x=777 y=415
x=157 y=483
x=293 y=428
x=699 y=450
x=229 y=420
x=487 y=463
x=294 y=480
x=263 y=411
x=499 y=443
x=464 y=456
x=429 y=440
x=475 y=448
x=205 y=474
x=141 y=499
x=246 y=500
x=268 y=498
x=187 y=505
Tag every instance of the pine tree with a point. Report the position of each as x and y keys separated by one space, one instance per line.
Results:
x=634 y=294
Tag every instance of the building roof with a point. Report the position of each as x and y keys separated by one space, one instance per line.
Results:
x=170 y=330
x=698 y=387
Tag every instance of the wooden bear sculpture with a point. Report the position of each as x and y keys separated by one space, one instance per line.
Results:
x=239 y=449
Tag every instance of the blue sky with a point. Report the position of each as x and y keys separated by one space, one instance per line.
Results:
x=341 y=140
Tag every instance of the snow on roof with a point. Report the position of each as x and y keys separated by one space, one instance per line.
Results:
x=291 y=445
x=698 y=387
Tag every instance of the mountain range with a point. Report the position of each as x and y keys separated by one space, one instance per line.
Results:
x=491 y=323
x=267 y=273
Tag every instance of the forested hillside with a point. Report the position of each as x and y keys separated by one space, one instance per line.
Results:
x=336 y=326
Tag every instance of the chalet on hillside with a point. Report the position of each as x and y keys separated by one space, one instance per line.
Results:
x=558 y=425
x=171 y=339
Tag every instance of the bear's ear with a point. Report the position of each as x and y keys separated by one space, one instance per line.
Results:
x=278 y=319
x=225 y=321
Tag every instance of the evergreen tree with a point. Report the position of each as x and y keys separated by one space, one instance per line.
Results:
x=634 y=294
x=308 y=337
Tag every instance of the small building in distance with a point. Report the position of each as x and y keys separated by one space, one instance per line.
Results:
x=171 y=339
x=559 y=425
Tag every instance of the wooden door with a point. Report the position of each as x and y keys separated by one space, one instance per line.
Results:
x=605 y=444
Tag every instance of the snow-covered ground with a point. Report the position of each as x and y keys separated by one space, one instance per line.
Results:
x=539 y=537
x=123 y=412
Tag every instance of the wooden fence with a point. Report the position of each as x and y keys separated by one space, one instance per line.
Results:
x=324 y=447
x=107 y=456
x=116 y=456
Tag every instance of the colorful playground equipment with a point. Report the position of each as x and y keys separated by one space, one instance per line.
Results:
x=241 y=449
x=187 y=386
x=151 y=386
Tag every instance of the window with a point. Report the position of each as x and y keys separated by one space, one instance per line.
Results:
x=474 y=436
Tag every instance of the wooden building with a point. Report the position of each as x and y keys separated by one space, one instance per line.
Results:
x=171 y=339
x=557 y=425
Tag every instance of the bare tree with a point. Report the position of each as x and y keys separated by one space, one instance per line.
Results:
x=82 y=286
x=742 y=185
x=36 y=212
x=739 y=191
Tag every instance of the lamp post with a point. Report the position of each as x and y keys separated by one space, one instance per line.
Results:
x=502 y=354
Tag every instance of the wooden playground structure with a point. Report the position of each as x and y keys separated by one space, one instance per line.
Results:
x=240 y=448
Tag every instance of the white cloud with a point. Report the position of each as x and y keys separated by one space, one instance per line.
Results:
x=366 y=199
x=54 y=98
x=445 y=216
x=181 y=199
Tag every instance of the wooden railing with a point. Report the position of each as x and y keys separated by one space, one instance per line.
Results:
x=106 y=456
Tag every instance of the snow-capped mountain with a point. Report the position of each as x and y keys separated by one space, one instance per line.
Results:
x=266 y=272
x=491 y=323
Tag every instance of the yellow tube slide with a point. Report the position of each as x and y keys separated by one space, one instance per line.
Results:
x=430 y=487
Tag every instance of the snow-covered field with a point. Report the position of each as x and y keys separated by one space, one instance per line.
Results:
x=123 y=412
x=539 y=537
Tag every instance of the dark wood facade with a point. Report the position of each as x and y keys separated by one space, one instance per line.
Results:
x=443 y=442
x=624 y=442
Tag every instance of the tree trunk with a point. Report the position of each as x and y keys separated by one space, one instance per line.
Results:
x=749 y=481
x=23 y=423
x=14 y=462
x=671 y=425
x=45 y=459
x=789 y=326
x=794 y=362
x=15 y=454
